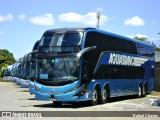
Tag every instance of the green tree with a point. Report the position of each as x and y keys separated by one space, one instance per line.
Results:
x=157 y=48
x=142 y=39
x=6 y=59
x=146 y=40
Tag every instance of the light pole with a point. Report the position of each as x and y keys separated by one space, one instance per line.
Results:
x=98 y=19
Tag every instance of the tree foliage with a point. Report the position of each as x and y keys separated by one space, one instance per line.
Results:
x=6 y=59
x=146 y=40
x=157 y=48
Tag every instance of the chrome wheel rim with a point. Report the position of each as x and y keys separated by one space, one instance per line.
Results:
x=95 y=96
x=144 y=91
x=139 y=93
x=104 y=95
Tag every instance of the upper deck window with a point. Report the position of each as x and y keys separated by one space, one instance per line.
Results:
x=61 y=43
x=61 y=39
x=106 y=42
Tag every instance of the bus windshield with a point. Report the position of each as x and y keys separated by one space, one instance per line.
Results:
x=25 y=72
x=32 y=71
x=57 y=70
x=6 y=72
x=59 y=43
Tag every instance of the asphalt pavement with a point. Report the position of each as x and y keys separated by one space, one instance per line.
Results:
x=15 y=98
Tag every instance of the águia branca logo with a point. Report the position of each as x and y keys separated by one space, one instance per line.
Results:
x=119 y=59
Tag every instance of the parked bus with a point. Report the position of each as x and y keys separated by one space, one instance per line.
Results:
x=25 y=71
x=88 y=64
x=6 y=73
x=32 y=67
x=3 y=73
x=14 y=72
x=19 y=71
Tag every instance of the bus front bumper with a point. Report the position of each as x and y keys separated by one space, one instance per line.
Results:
x=12 y=79
x=49 y=94
x=24 y=83
x=18 y=81
x=31 y=87
x=6 y=78
x=69 y=97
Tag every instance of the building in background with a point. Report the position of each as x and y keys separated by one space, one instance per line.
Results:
x=157 y=71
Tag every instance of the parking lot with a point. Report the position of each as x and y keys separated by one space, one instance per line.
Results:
x=14 y=98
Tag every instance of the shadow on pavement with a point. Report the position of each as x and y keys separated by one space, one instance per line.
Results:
x=24 y=91
x=64 y=105
x=118 y=99
x=31 y=98
x=84 y=104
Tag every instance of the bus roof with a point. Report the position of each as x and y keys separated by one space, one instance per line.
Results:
x=97 y=30
x=69 y=29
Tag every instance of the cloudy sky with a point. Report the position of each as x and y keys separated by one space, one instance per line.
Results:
x=22 y=23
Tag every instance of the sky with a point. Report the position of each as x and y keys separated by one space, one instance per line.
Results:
x=22 y=23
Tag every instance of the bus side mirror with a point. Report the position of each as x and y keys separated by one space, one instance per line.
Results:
x=82 y=52
x=28 y=57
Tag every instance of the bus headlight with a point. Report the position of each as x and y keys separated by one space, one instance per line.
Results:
x=37 y=88
x=83 y=91
x=73 y=89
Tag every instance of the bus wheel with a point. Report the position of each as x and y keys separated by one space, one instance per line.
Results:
x=57 y=103
x=144 y=91
x=104 y=97
x=94 y=100
x=140 y=91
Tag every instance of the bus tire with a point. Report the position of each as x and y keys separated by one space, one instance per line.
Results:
x=104 y=97
x=144 y=90
x=57 y=103
x=94 y=100
x=140 y=91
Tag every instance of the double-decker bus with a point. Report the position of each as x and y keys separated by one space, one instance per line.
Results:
x=14 y=71
x=32 y=67
x=6 y=73
x=25 y=71
x=19 y=71
x=88 y=64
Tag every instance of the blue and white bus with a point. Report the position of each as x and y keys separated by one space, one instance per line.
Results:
x=19 y=71
x=6 y=73
x=14 y=71
x=25 y=71
x=33 y=67
x=88 y=64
